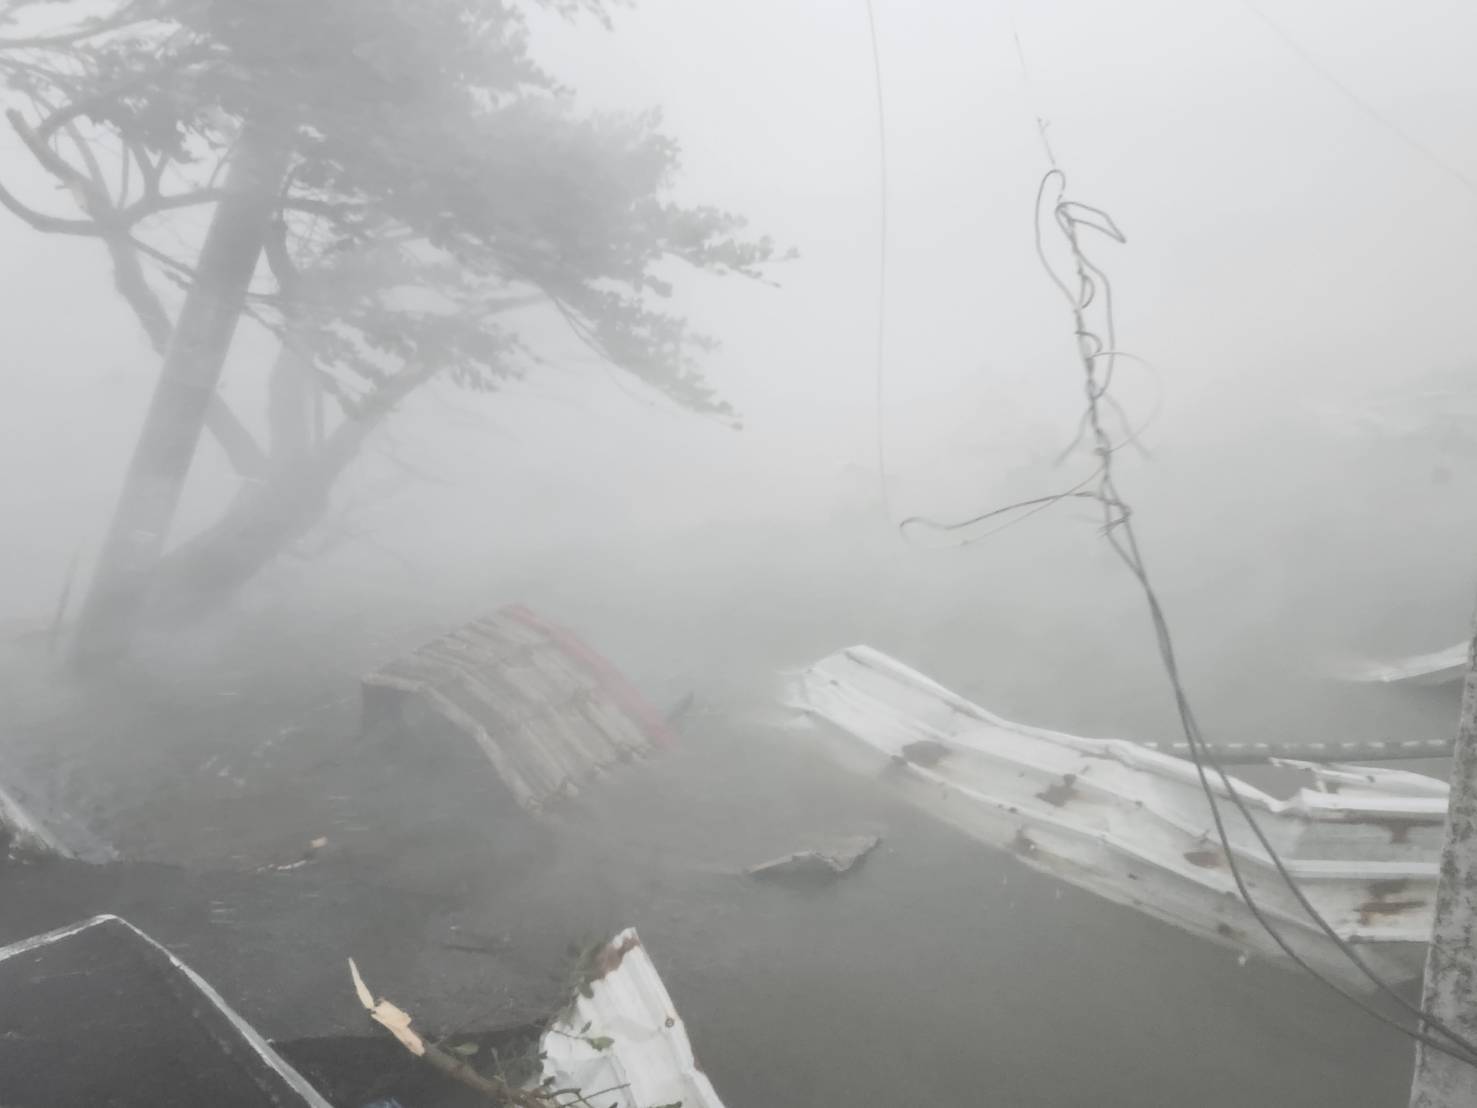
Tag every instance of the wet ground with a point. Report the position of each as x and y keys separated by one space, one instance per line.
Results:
x=937 y=973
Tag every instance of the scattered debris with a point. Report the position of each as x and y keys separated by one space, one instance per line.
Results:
x=622 y=1037
x=549 y=712
x=1442 y=667
x=620 y=1040
x=99 y=1013
x=22 y=834
x=1132 y=824
x=818 y=865
x=310 y=854
x=392 y=1019
x=31 y=828
x=450 y=1063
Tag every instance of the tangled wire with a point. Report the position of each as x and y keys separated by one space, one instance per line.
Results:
x=1087 y=291
x=1085 y=288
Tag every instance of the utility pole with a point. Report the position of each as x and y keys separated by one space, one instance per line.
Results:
x=1450 y=994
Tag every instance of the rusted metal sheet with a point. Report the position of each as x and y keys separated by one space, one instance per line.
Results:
x=548 y=711
x=1441 y=667
x=621 y=1042
x=1133 y=824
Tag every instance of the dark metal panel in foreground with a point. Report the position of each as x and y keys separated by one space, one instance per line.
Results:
x=98 y=1013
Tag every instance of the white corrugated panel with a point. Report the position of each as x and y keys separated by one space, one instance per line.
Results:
x=1134 y=825
x=624 y=1045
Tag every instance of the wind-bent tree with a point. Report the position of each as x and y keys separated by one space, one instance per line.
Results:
x=387 y=182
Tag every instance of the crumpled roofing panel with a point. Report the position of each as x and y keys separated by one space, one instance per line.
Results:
x=1134 y=825
x=623 y=1044
x=547 y=710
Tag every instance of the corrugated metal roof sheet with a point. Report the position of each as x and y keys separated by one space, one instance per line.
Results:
x=618 y=1044
x=622 y=1038
x=548 y=711
x=1133 y=825
x=100 y=1013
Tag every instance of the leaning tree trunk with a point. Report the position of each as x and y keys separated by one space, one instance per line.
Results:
x=261 y=523
x=266 y=518
x=177 y=413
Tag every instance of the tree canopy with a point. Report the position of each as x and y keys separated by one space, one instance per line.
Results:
x=427 y=151
x=423 y=178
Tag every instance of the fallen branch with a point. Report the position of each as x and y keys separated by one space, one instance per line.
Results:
x=397 y=1022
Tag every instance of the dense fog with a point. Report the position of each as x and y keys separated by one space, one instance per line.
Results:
x=1296 y=196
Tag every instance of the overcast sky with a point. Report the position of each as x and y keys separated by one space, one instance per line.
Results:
x=1283 y=245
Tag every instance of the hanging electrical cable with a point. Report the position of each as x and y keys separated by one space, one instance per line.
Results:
x=1020 y=511
x=1100 y=485
x=880 y=369
x=1097 y=354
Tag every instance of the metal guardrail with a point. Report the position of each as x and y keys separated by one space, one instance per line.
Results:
x=1376 y=750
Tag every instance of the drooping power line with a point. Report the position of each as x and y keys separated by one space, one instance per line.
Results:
x=1359 y=102
x=1085 y=286
x=880 y=370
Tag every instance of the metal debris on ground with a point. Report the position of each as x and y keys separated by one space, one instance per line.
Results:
x=622 y=1037
x=22 y=834
x=25 y=834
x=818 y=865
x=548 y=711
x=307 y=857
x=619 y=1043
x=1441 y=667
x=99 y=1013
x=1133 y=824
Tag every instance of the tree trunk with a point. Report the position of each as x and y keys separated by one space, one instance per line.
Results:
x=290 y=408
x=241 y=450
x=177 y=413
x=1442 y=1081
x=266 y=518
x=262 y=522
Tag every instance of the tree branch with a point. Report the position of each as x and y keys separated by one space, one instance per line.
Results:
x=128 y=15
x=49 y=224
x=245 y=456
x=50 y=160
x=93 y=196
x=341 y=446
x=125 y=175
x=150 y=170
x=156 y=204
x=292 y=389
x=279 y=261
x=241 y=448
